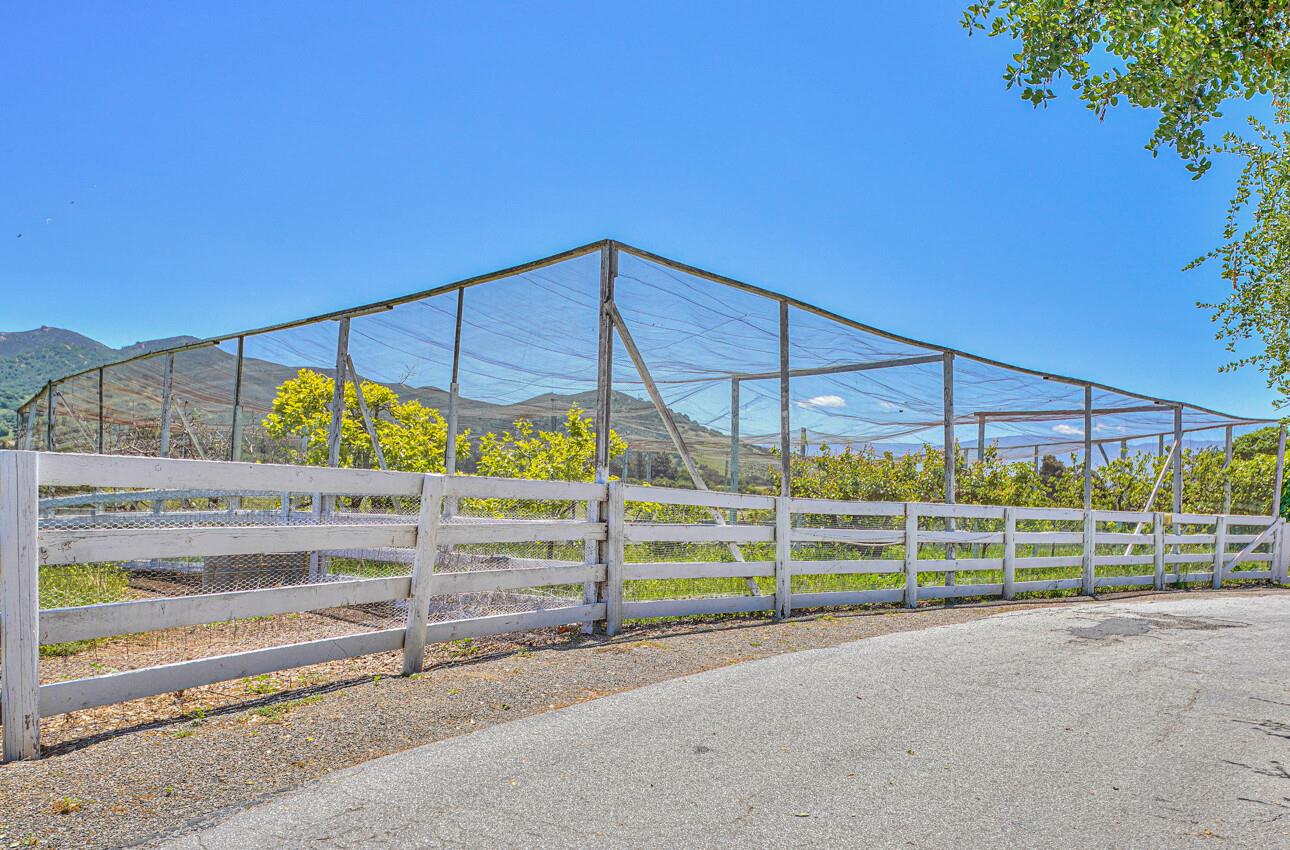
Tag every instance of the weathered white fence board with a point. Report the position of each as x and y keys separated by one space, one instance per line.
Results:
x=77 y=694
x=679 y=533
x=870 y=536
x=124 y=544
x=838 y=507
x=60 y=625
x=482 y=581
x=825 y=599
x=518 y=622
x=953 y=591
x=64 y=469
x=857 y=566
x=697 y=569
x=697 y=606
x=519 y=531
x=697 y=498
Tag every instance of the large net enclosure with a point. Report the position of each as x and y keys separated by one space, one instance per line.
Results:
x=650 y=371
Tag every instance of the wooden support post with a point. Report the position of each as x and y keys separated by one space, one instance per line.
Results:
x=235 y=437
x=947 y=401
x=1220 y=549
x=1009 y=552
x=427 y=547
x=1038 y=464
x=980 y=440
x=911 y=556
x=1088 y=584
x=1088 y=447
x=1281 y=552
x=1160 y=445
x=783 y=558
x=99 y=444
x=1158 y=548
x=802 y=448
x=1227 y=465
x=19 y=604
x=167 y=371
x=615 y=539
x=785 y=449
x=1279 y=478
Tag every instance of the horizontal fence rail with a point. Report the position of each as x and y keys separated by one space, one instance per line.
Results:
x=606 y=541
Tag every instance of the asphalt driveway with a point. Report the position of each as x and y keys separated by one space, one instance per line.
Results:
x=1149 y=724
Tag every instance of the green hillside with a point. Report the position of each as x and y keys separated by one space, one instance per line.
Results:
x=28 y=359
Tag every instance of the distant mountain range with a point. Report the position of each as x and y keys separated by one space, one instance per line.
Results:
x=29 y=359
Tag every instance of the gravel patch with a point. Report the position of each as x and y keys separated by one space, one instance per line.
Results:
x=128 y=787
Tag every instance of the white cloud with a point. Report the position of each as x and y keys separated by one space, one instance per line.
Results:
x=1068 y=430
x=886 y=405
x=822 y=401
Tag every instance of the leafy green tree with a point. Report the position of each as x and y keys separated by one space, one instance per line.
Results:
x=1185 y=59
x=412 y=436
x=568 y=454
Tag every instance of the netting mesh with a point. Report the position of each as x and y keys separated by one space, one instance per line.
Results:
x=708 y=350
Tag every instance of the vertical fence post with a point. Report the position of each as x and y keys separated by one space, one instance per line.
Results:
x=1281 y=554
x=1009 y=552
x=19 y=605
x=1158 y=548
x=911 y=556
x=615 y=548
x=1220 y=549
x=783 y=557
x=414 y=638
x=1088 y=585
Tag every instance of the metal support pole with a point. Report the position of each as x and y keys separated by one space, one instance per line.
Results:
x=594 y=552
x=454 y=393
x=947 y=399
x=605 y=359
x=167 y=370
x=1280 y=475
x=450 y=446
x=338 y=394
x=1178 y=459
x=980 y=439
x=235 y=437
x=49 y=416
x=1088 y=447
x=734 y=435
x=785 y=460
x=99 y=447
x=1227 y=465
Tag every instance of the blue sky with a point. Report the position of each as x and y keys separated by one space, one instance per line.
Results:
x=174 y=168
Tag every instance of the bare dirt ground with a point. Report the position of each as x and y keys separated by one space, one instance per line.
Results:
x=118 y=777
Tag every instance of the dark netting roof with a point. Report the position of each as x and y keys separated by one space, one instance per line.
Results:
x=529 y=348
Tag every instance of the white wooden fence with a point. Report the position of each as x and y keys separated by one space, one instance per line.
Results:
x=779 y=527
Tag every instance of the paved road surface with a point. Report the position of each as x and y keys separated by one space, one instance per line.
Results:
x=1141 y=725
